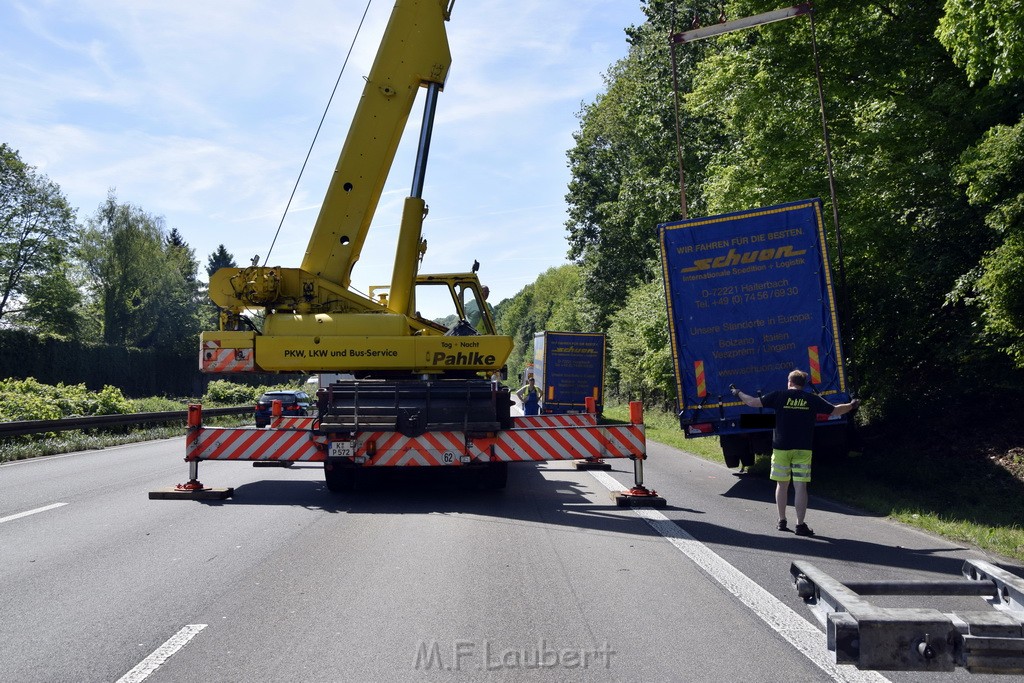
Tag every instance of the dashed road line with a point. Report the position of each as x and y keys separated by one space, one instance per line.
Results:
x=799 y=632
x=147 y=666
x=31 y=512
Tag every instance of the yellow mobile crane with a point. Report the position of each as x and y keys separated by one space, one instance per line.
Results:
x=315 y=323
x=418 y=393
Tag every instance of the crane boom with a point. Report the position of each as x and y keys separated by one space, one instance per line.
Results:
x=413 y=53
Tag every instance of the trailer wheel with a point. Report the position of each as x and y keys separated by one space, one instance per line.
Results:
x=339 y=477
x=494 y=476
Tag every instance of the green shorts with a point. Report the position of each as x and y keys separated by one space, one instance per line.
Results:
x=792 y=464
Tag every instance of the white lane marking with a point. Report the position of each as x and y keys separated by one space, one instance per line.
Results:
x=800 y=633
x=151 y=663
x=30 y=512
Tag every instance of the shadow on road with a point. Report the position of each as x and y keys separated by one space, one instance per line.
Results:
x=537 y=493
x=555 y=494
x=848 y=548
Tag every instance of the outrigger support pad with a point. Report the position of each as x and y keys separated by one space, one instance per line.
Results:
x=193 y=490
x=639 y=495
x=593 y=464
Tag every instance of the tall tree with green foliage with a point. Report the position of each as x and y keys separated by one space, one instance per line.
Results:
x=640 y=358
x=145 y=283
x=221 y=258
x=900 y=114
x=180 y=254
x=625 y=161
x=550 y=303
x=619 y=190
x=55 y=304
x=986 y=39
x=37 y=232
x=991 y=172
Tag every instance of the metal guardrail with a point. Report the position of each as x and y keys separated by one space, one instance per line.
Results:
x=87 y=422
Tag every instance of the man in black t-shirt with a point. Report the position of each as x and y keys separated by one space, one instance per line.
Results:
x=796 y=411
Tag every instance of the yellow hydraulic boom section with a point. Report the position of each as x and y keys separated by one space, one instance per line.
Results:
x=313 y=321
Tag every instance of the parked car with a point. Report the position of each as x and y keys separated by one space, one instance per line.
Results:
x=294 y=403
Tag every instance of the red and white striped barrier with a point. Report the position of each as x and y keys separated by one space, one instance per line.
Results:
x=392 y=449
x=217 y=359
x=534 y=438
x=232 y=443
x=567 y=420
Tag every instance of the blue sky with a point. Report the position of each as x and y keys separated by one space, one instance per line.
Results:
x=202 y=113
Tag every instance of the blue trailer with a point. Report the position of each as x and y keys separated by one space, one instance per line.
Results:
x=569 y=368
x=750 y=298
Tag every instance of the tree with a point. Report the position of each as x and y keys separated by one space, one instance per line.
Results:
x=550 y=303
x=625 y=162
x=984 y=37
x=37 y=227
x=221 y=258
x=182 y=255
x=145 y=283
x=927 y=169
x=640 y=363
x=54 y=304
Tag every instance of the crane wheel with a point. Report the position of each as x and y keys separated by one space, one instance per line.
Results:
x=494 y=476
x=339 y=478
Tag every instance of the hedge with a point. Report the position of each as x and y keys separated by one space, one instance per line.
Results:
x=136 y=372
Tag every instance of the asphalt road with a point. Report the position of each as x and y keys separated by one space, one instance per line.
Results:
x=420 y=577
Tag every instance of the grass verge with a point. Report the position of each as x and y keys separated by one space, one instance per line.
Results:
x=968 y=500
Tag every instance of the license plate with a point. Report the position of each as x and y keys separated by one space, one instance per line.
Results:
x=342 y=449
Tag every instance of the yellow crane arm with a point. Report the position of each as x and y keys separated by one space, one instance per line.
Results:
x=413 y=53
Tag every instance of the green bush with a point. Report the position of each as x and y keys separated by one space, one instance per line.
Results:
x=28 y=399
x=223 y=392
x=160 y=404
x=109 y=401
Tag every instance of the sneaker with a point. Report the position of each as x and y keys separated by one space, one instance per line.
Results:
x=804 y=530
x=782 y=525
